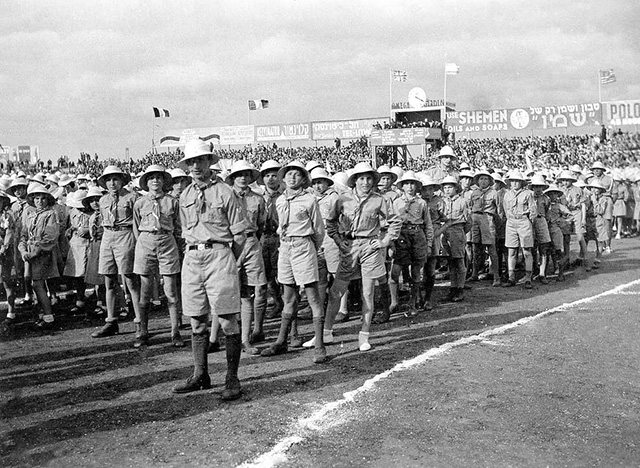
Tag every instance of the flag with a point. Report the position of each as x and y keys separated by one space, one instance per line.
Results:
x=607 y=76
x=451 y=69
x=160 y=112
x=258 y=104
x=399 y=75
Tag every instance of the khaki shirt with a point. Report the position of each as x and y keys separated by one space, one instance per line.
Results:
x=573 y=198
x=484 y=201
x=254 y=207
x=39 y=229
x=210 y=212
x=519 y=204
x=156 y=213
x=456 y=210
x=363 y=217
x=79 y=222
x=118 y=213
x=542 y=205
x=299 y=216
x=271 y=220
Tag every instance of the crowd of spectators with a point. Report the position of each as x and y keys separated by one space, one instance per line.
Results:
x=619 y=150
x=402 y=124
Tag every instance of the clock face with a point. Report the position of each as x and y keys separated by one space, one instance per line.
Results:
x=417 y=98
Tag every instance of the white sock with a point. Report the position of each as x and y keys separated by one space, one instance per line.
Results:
x=363 y=340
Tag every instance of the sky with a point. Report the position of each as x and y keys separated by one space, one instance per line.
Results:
x=84 y=75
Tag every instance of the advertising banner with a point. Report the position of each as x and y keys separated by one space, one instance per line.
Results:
x=283 y=132
x=344 y=129
x=622 y=112
x=399 y=136
x=530 y=118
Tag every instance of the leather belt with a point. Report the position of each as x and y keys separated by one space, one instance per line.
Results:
x=206 y=245
x=157 y=233
x=412 y=227
x=118 y=228
x=351 y=237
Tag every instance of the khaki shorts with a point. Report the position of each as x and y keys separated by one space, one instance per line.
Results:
x=411 y=247
x=557 y=237
x=297 y=261
x=210 y=282
x=117 y=252
x=270 y=247
x=541 y=231
x=519 y=233
x=454 y=241
x=361 y=260
x=331 y=254
x=156 y=253
x=252 y=264
x=483 y=229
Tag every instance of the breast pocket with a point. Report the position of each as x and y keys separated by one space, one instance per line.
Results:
x=147 y=217
x=125 y=211
x=215 y=213
x=188 y=214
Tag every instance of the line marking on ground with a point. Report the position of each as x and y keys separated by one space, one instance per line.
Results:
x=320 y=420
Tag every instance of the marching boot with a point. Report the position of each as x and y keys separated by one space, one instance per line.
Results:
x=280 y=346
x=200 y=379
x=414 y=299
x=142 y=328
x=232 y=389
x=385 y=299
x=246 y=314
x=320 y=352
x=108 y=329
x=427 y=285
x=260 y=309
x=174 y=315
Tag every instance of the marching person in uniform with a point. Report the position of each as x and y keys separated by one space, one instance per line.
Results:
x=117 y=249
x=213 y=225
x=360 y=213
x=574 y=199
x=38 y=240
x=8 y=233
x=79 y=238
x=520 y=209
x=156 y=224
x=18 y=190
x=301 y=231
x=253 y=281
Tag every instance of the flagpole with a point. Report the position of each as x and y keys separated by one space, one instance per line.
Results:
x=599 y=87
x=390 y=94
x=445 y=91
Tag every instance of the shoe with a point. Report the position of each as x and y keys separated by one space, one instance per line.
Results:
x=364 y=346
x=459 y=296
x=214 y=347
x=596 y=264
x=319 y=355
x=342 y=317
x=384 y=316
x=543 y=280
x=305 y=314
x=100 y=311
x=44 y=322
x=295 y=342
x=473 y=278
x=509 y=283
x=232 y=390
x=560 y=277
x=496 y=283
x=528 y=285
x=327 y=338
x=141 y=341
x=485 y=276
x=193 y=384
x=177 y=341
x=250 y=350
x=427 y=306
x=274 y=350
x=256 y=337
x=108 y=329
x=123 y=314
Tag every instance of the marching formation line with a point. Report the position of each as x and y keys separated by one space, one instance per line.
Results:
x=321 y=419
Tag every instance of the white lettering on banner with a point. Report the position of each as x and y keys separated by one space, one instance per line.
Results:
x=344 y=129
x=623 y=112
x=473 y=117
x=284 y=132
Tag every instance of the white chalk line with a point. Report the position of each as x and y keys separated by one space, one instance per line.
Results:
x=316 y=422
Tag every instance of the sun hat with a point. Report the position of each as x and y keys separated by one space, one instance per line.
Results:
x=93 y=192
x=295 y=165
x=482 y=172
x=270 y=165
x=113 y=170
x=240 y=166
x=516 y=175
x=539 y=181
x=410 y=176
x=386 y=170
x=18 y=182
x=74 y=199
x=552 y=188
x=449 y=180
x=38 y=178
x=320 y=173
x=428 y=181
x=155 y=169
x=65 y=179
x=468 y=173
x=595 y=183
x=362 y=168
x=446 y=151
x=340 y=178
x=312 y=165
x=598 y=165
x=36 y=188
x=398 y=171
x=567 y=175
x=177 y=173
x=196 y=148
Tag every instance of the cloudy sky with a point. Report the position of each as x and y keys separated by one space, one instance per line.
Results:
x=84 y=75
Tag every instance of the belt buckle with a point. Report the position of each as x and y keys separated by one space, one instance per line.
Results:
x=201 y=246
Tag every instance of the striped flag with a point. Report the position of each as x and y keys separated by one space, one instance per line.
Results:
x=451 y=69
x=255 y=104
x=399 y=75
x=157 y=112
x=607 y=76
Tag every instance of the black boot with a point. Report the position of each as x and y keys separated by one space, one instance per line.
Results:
x=232 y=389
x=200 y=379
x=109 y=329
x=427 y=285
x=385 y=299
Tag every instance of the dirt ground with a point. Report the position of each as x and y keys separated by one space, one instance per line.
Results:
x=562 y=390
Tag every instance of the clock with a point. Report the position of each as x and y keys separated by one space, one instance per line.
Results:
x=417 y=98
